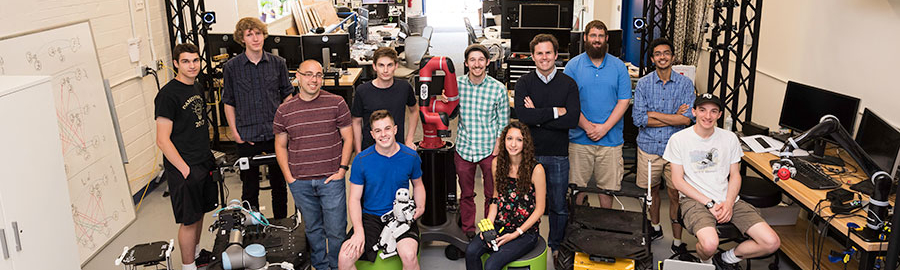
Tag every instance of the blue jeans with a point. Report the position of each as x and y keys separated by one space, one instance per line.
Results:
x=509 y=252
x=324 y=211
x=557 y=170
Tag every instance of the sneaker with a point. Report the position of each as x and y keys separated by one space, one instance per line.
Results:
x=655 y=234
x=683 y=253
x=470 y=235
x=722 y=265
x=203 y=259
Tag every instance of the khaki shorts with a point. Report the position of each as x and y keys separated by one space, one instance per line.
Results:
x=697 y=217
x=661 y=168
x=602 y=163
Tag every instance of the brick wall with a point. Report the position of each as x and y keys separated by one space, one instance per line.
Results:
x=112 y=27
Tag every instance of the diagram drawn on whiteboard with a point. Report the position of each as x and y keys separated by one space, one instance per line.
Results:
x=98 y=186
x=55 y=49
x=91 y=213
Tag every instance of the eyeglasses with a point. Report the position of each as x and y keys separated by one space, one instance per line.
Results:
x=666 y=53
x=312 y=75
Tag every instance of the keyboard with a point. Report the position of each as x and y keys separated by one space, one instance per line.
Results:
x=812 y=176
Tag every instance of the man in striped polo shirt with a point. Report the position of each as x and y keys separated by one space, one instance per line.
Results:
x=484 y=111
x=313 y=143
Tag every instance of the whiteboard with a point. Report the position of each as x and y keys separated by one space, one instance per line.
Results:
x=98 y=187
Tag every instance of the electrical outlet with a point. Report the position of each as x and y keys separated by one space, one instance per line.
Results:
x=138 y=5
x=159 y=64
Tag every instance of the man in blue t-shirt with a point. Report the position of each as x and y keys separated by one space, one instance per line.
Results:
x=604 y=88
x=378 y=172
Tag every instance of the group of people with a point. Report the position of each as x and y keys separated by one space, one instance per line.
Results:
x=569 y=131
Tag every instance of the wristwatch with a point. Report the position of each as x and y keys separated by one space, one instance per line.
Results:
x=710 y=204
x=345 y=167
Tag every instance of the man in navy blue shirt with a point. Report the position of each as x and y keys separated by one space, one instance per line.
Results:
x=661 y=107
x=256 y=82
x=547 y=101
x=378 y=172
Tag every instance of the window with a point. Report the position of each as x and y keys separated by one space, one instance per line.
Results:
x=271 y=10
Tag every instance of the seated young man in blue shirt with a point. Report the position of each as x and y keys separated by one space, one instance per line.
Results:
x=378 y=172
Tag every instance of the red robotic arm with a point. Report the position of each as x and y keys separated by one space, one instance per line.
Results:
x=435 y=113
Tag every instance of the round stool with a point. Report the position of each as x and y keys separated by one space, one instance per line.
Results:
x=536 y=259
x=393 y=262
x=760 y=193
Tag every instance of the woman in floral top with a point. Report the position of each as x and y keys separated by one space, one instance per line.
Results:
x=517 y=208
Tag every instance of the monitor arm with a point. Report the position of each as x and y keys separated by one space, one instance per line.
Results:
x=830 y=126
x=435 y=113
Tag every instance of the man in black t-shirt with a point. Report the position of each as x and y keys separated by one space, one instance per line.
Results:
x=384 y=93
x=183 y=136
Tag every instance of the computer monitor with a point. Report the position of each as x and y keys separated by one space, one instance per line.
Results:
x=362 y=29
x=614 y=41
x=377 y=12
x=337 y=44
x=520 y=39
x=288 y=47
x=539 y=15
x=221 y=43
x=880 y=140
x=805 y=105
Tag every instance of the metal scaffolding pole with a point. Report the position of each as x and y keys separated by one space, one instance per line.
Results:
x=727 y=39
x=660 y=19
x=185 y=26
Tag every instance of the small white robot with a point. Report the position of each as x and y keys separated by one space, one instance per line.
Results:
x=398 y=222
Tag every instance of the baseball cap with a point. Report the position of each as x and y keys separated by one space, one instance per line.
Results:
x=707 y=98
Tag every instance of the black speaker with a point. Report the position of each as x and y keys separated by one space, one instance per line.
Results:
x=750 y=129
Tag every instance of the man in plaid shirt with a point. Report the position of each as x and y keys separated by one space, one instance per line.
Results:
x=484 y=111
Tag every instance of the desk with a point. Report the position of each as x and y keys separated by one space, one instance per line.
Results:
x=345 y=86
x=345 y=80
x=808 y=198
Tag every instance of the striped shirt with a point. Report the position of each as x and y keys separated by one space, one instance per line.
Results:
x=314 y=138
x=651 y=95
x=255 y=91
x=484 y=112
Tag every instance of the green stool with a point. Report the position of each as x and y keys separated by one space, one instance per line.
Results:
x=536 y=259
x=393 y=262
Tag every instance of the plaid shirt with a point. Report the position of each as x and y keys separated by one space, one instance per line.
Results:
x=651 y=95
x=484 y=112
x=255 y=91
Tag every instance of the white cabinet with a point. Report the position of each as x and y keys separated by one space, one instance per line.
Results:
x=35 y=210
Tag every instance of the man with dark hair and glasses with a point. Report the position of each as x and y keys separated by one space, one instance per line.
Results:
x=313 y=144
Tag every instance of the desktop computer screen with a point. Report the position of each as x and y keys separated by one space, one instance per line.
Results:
x=337 y=44
x=539 y=15
x=288 y=47
x=804 y=105
x=521 y=39
x=880 y=140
